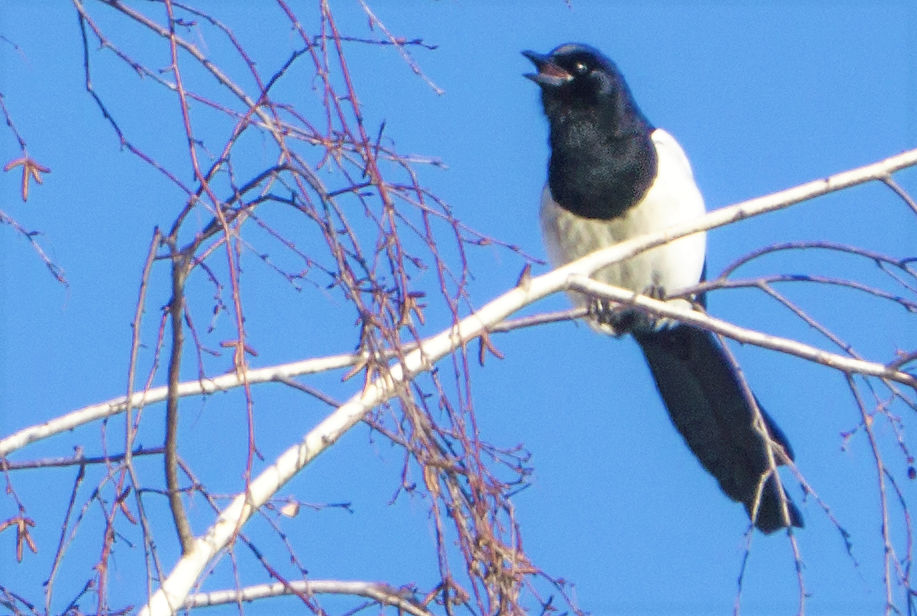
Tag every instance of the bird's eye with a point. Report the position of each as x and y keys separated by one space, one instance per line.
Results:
x=581 y=68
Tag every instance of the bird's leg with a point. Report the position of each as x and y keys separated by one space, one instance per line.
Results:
x=605 y=312
x=619 y=319
x=655 y=291
x=624 y=319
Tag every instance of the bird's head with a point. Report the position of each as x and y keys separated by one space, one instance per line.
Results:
x=575 y=73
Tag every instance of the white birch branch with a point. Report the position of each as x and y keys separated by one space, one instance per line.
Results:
x=175 y=588
x=140 y=399
x=377 y=591
x=843 y=363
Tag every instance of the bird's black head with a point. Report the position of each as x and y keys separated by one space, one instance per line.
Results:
x=576 y=78
x=575 y=73
x=602 y=156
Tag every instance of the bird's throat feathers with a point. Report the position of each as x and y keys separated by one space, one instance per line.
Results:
x=602 y=156
x=597 y=172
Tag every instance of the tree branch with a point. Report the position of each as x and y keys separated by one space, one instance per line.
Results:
x=140 y=399
x=377 y=591
x=843 y=363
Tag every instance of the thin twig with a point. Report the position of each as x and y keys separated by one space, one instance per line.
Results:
x=77 y=460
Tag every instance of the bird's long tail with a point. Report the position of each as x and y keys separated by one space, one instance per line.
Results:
x=706 y=403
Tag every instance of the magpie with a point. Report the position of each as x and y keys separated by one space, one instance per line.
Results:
x=612 y=176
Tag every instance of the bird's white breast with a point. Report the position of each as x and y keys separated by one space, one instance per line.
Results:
x=673 y=198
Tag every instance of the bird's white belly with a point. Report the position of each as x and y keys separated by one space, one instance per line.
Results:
x=668 y=202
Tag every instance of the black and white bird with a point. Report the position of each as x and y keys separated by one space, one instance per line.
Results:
x=613 y=176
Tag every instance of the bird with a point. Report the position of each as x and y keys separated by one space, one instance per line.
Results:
x=613 y=176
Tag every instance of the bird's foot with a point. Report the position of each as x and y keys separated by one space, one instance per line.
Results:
x=613 y=316
x=648 y=321
x=655 y=291
x=620 y=319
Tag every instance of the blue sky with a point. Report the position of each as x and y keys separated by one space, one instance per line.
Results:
x=761 y=95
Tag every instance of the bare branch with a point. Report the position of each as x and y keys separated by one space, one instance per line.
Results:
x=832 y=360
x=140 y=399
x=377 y=591
x=891 y=183
x=77 y=460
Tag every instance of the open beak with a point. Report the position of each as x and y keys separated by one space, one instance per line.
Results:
x=549 y=74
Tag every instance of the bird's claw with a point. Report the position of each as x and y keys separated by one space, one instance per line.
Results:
x=655 y=291
x=612 y=315
x=621 y=319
